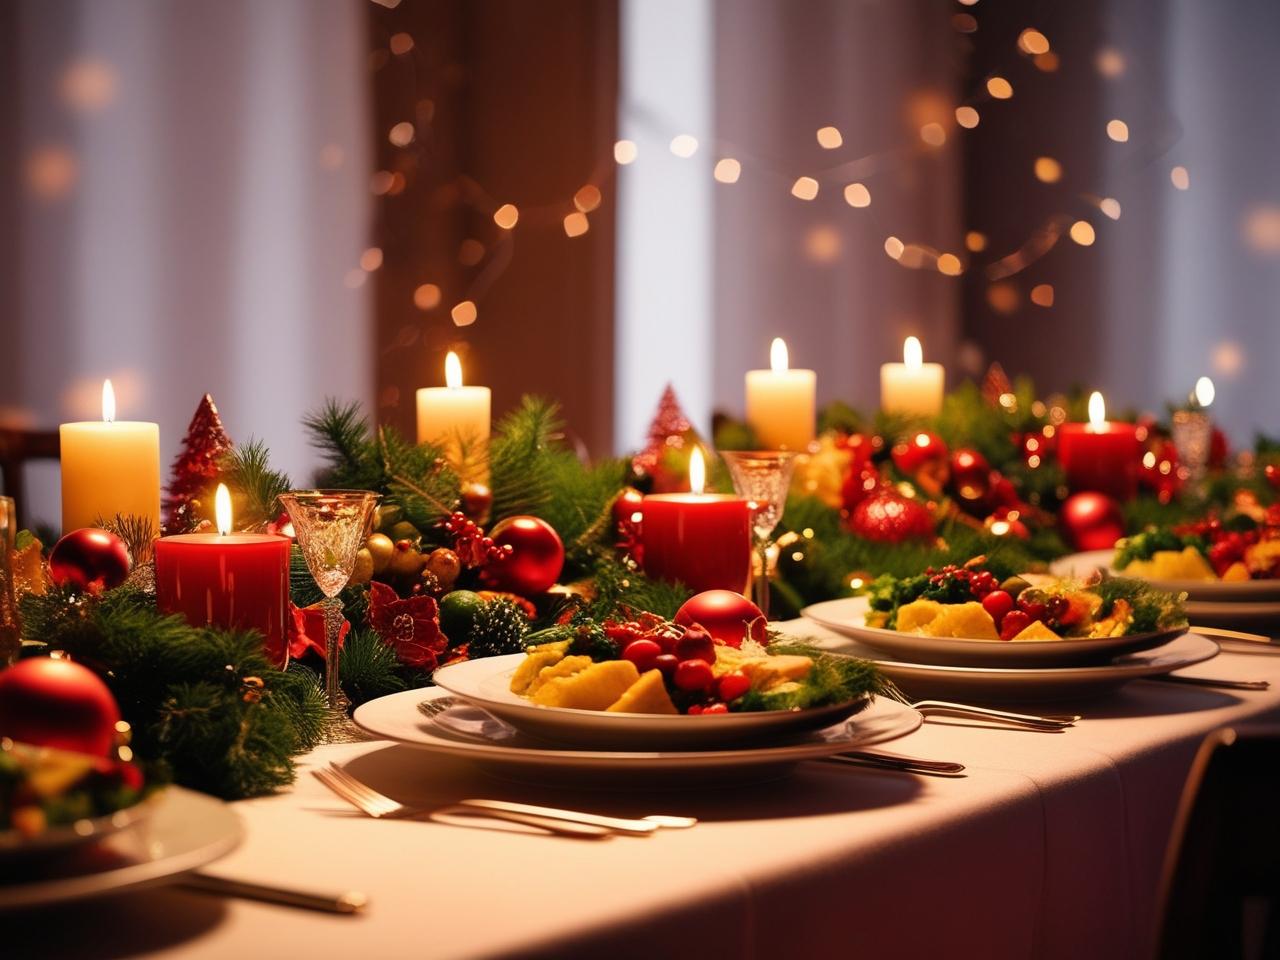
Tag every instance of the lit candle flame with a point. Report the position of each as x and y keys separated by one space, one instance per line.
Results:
x=697 y=471
x=1097 y=410
x=778 y=359
x=222 y=509
x=108 y=402
x=1204 y=391
x=452 y=371
x=912 y=354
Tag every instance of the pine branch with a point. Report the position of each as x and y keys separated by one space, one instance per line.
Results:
x=138 y=533
x=522 y=475
x=418 y=478
x=248 y=473
x=341 y=433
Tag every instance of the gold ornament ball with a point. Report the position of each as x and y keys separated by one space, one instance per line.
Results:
x=404 y=530
x=406 y=561
x=362 y=572
x=380 y=548
x=444 y=564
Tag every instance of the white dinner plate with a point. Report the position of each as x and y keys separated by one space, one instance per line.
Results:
x=1252 y=605
x=488 y=682
x=184 y=831
x=91 y=829
x=519 y=756
x=848 y=617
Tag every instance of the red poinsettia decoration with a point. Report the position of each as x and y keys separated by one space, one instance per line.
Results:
x=306 y=630
x=411 y=627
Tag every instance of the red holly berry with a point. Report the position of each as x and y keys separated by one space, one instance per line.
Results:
x=997 y=603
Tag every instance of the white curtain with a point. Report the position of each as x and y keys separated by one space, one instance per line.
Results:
x=194 y=204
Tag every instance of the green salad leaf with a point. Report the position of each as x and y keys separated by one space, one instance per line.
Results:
x=1152 y=609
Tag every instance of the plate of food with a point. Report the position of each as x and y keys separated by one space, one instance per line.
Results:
x=964 y=617
x=650 y=684
x=54 y=799
x=499 y=749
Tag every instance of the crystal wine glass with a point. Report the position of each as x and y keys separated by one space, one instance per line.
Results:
x=330 y=527
x=762 y=478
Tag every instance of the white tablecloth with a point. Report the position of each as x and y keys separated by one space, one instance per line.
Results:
x=1050 y=847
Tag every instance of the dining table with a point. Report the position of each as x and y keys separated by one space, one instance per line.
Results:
x=1050 y=845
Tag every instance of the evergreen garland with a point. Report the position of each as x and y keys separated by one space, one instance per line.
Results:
x=522 y=458
x=247 y=472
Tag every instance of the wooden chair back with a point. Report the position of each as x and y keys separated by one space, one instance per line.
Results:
x=17 y=449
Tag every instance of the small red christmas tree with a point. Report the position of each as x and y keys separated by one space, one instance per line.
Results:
x=196 y=468
x=671 y=437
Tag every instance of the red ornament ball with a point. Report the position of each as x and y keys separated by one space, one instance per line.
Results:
x=1007 y=526
x=726 y=615
x=57 y=703
x=970 y=477
x=626 y=508
x=89 y=559
x=889 y=517
x=912 y=453
x=535 y=560
x=1272 y=473
x=1091 y=521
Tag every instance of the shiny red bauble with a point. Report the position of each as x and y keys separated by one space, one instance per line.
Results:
x=626 y=507
x=970 y=476
x=888 y=517
x=913 y=452
x=89 y=559
x=536 y=558
x=1091 y=521
x=726 y=615
x=57 y=703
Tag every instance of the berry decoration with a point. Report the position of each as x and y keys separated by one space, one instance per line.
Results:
x=726 y=615
x=473 y=548
x=913 y=453
x=888 y=517
x=1091 y=521
x=534 y=556
x=89 y=559
x=57 y=703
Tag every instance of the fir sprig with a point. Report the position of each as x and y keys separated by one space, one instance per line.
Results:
x=522 y=456
x=248 y=472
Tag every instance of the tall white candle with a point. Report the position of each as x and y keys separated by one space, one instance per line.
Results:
x=912 y=387
x=781 y=409
x=457 y=419
x=109 y=467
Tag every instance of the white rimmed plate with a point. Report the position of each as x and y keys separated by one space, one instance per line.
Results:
x=90 y=829
x=995 y=685
x=848 y=618
x=487 y=682
x=396 y=717
x=184 y=831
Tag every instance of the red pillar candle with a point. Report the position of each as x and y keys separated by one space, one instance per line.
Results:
x=228 y=580
x=701 y=539
x=1100 y=455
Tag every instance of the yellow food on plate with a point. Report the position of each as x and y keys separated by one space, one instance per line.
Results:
x=597 y=687
x=565 y=667
x=646 y=695
x=1186 y=564
x=932 y=619
x=915 y=617
x=1237 y=571
x=532 y=665
x=1036 y=630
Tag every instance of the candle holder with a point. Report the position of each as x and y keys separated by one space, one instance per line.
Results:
x=762 y=478
x=1193 y=438
x=331 y=526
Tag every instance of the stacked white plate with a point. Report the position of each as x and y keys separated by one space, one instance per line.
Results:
x=1021 y=671
x=486 y=724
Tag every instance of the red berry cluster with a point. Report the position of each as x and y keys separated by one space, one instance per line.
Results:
x=470 y=543
x=683 y=655
x=978 y=582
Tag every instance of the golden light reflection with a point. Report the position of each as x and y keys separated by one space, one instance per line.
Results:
x=1048 y=170
x=1118 y=131
x=822 y=244
x=967 y=117
x=949 y=264
x=1042 y=295
x=400 y=43
x=371 y=259
x=805 y=188
x=1047 y=62
x=727 y=170
x=975 y=242
x=1180 y=178
x=470 y=252
x=1227 y=358
x=587 y=198
x=401 y=135
x=933 y=134
x=1003 y=297
x=857 y=195
x=51 y=172
x=829 y=138
x=1000 y=88
x=506 y=216
x=427 y=296
x=1110 y=206
x=1110 y=62
x=331 y=157
x=464 y=314
x=1082 y=233
x=624 y=152
x=576 y=224
x=1033 y=41
x=964 y=23
x=1261 y=229
x=894 y=247
x=684 y=145
x=88 y=85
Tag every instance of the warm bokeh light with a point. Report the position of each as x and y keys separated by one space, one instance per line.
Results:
x=912 y=353
x=1033 y=41
x=401 y=135
x=1204 y=392
x=778 y=359
x=829 y=138
x=933 y=134
x=1118 y=130
x=857 y=195
x=470 y=252
x=1082 y=233
x=506 y=216
x=894 y=247
x=1110 y=207
x=1180 y=178
x=805 y=188
x=400 y=43
x=950 y=265
x=88 y=85
x=1000 y=88
x=1110 y=62
x=1048 y=170
x=587 y=198
x=427 y=296
x=51 y=172
x=684 y=145
x=697 y=471
x=1042 y=295
x=371 y=259
x=108 y=402
x=624 y=151
x=727 y=170
x=975 y=242
x=967 y=117
x=464 y=314
x=332 y=156
x=1261 y=229
x=1227 y=358
x=1047 y=62
x=576 y=224
x=1003 y=297
x=354 y=279
x=822 y=244
x=222 y=509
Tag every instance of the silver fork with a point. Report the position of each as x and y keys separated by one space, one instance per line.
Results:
x=1029 y=721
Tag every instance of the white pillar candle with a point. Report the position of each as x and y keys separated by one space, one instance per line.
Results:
x=108 y=468
x=912 y=387
x=781 y=409
x=457 y=419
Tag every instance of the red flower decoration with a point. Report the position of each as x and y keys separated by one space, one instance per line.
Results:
x=306 y=630
x=411 y=627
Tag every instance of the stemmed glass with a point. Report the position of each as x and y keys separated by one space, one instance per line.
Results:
x=331 y=526
x=762 y=478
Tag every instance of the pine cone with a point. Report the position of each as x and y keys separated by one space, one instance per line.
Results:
x=499 y=628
